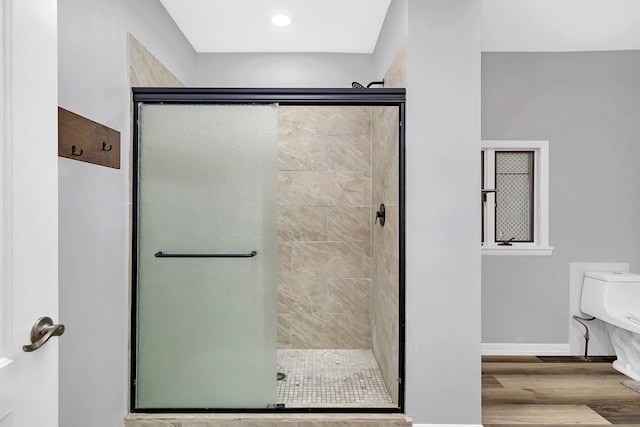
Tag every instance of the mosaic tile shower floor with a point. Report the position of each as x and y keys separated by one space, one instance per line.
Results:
x=331 y=378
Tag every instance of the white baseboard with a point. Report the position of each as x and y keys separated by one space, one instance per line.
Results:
x=524 y=349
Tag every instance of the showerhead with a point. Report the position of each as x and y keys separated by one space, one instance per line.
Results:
x=357 y=85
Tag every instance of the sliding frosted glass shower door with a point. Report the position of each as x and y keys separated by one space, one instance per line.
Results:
x=206 y=256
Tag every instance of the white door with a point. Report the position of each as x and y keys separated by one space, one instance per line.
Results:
x=28 y=211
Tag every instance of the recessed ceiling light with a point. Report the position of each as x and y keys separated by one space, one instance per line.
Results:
x=281 y=20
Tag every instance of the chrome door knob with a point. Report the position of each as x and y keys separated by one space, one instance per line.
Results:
x=42 y=330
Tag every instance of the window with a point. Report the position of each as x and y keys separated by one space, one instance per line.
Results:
x=515 y=198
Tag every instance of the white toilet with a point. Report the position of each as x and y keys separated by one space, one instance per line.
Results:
x=614 y=298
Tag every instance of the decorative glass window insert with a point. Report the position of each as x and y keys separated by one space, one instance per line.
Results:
x=515 y=187
x=514 y=196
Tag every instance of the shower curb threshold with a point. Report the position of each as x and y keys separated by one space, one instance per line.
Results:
x=266 y=420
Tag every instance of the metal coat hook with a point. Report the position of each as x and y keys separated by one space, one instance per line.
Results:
x=73 y=151
x=104 y=146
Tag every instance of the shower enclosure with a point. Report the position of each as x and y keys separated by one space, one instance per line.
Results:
x=263 y=279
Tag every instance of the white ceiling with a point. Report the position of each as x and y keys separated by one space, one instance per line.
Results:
x=560 y=25
x=345 y=26
x=352 y=26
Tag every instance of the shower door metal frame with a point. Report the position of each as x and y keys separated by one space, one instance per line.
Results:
x=286 y=96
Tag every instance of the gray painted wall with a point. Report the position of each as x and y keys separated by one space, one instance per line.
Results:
x=588 y=106
x=443 y=177
x=284 y=69
x=93 y=200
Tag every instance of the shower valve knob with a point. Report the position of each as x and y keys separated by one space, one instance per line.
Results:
x=381 y=215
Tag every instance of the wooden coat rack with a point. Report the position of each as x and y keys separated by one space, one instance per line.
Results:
x=87 y=141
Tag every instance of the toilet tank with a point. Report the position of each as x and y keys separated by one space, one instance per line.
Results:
x=612 y=297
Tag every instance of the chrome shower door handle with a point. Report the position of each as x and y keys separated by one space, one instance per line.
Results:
x=42 y=330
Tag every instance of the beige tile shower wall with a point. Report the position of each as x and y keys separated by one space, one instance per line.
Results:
x=385 y=246
x=145 y=70
x=324 y=227
x=385 y=240
x=396 y=75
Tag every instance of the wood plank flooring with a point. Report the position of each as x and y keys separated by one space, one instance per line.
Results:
x=555 y=391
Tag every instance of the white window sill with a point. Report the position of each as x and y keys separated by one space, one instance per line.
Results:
x=517 y=250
